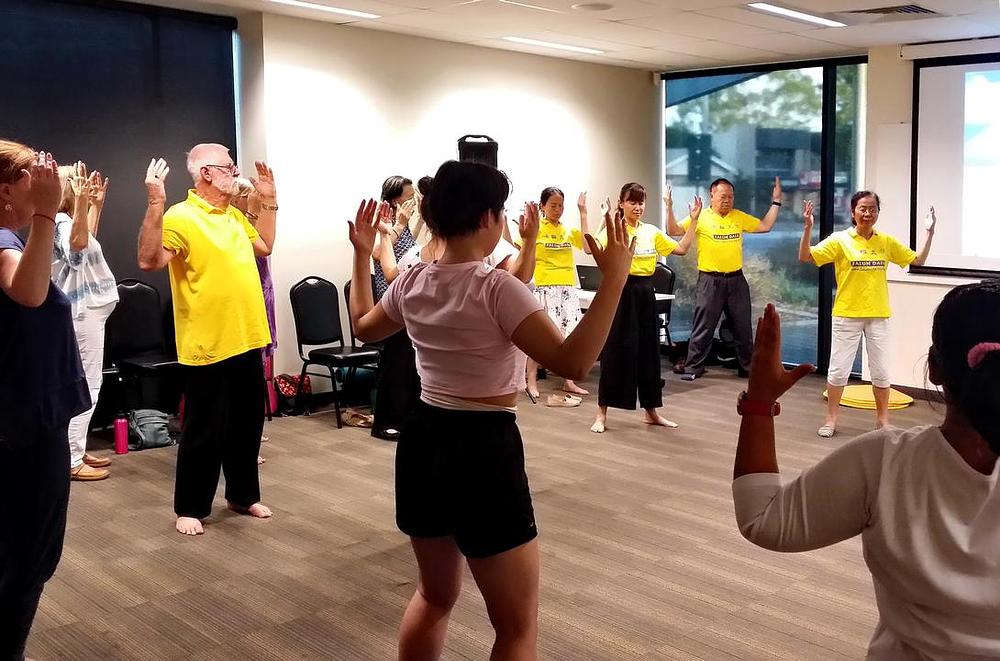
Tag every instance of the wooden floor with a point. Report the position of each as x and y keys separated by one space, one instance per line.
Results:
x=641 y=558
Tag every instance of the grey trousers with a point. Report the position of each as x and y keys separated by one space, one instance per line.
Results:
x=718 y=293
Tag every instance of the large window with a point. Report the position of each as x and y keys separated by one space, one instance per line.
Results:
x=751 y=127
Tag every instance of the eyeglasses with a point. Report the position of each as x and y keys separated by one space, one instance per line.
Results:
x=232 y=168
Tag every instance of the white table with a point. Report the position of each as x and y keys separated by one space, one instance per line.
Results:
x=587 y=297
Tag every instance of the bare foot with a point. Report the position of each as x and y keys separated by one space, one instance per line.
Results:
x=257 y=510
x=598 y=426
x=187 y=525
x=260 y=460
x=658 y=420
x=574 y=389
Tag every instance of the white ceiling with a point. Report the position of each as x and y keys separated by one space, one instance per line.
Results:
x=658 y=35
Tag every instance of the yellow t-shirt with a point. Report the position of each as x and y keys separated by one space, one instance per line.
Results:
x=218 y=301
x=650 y=242
x=720 y=239
x=554 y=253
x=860 y=265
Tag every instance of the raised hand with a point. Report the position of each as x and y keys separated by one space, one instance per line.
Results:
x=263 y=183
x=527 y=223
x=45 y=189
x=615 y=259
x=581 y=202
x=694 y=209
x=668 y=196
x=405 y=210
x=930 y=220
x=156 y=176
x=362 y=231
x=97 y=189
x=606 y=210
x=807 y=214
x=78 y=180
x=769 y=379
x=776 y=191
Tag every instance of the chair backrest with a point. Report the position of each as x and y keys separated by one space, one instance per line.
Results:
x=316 y=310
x=590 y=277
x=664 y=280
x=136 y=325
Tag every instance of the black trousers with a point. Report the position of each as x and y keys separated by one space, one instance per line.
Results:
x=630 y=362
x=223 y=423
x=397 y=391
x=34 y=494
x=718 y=293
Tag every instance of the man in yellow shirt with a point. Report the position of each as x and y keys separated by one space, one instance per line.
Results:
x=220 y=324
x=721 y=283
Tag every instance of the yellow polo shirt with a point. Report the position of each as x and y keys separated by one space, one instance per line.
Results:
x=860 y=265
x=650 y=242
x=218 y=301
x=554 y=253
x=720 y=239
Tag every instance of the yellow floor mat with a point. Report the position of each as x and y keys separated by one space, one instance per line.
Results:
x=860 y=397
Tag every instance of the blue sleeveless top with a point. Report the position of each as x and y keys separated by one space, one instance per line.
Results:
x=42 y=383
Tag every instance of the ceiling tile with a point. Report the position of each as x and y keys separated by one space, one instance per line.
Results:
x=906 y=32
x=695 y=25
x=757 y=19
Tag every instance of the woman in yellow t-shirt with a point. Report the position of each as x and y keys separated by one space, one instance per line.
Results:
x=630 y=361
x=555 y=273
x=860 y=256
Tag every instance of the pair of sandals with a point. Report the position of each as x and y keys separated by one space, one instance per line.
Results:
x=556 y=400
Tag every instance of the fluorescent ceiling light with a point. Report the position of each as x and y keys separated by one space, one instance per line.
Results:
x=791 y=13
x=549 y=44
x=326 y=8
x=527 y=6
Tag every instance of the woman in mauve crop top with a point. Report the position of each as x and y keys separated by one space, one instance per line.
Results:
x=461 y=490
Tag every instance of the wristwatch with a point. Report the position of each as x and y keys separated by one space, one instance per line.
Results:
x=746 y=406
x=268 y=207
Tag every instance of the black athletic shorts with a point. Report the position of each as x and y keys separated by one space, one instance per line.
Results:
x=461 y=474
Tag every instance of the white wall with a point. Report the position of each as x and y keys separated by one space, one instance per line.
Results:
x=344 y=108
x=913 y=297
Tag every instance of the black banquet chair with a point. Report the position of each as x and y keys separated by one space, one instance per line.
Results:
x=135 y=346
x=664 y=280
x=316 y=310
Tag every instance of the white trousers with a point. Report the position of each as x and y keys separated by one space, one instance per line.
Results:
x=847 y=334
x=89 y=327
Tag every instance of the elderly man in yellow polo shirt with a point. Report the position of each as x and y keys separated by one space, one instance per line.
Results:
x=721 y=283
x=221 y=325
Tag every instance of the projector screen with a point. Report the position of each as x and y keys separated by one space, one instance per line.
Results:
x=956 y=162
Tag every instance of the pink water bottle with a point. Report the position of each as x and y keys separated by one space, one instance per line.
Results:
x=121 y=436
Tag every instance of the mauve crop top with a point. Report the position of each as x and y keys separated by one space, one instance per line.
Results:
x=460 y=318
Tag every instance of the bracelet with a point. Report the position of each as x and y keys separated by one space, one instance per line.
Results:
x=775 y=204
x=251 y=215
x=42 y=215
x=268 y=207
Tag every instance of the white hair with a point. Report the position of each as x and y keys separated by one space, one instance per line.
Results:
x=200 y=156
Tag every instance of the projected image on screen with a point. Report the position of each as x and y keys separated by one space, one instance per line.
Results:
x=981 y=229
x=957 y=162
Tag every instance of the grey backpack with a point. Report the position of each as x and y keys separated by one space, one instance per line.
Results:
x=147 y=428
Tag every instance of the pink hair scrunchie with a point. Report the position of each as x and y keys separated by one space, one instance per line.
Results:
x=980 y=351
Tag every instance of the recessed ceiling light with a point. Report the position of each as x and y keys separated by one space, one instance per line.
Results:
x=799 y=15
x=527 y=6
x=593 y=6
x=549 y=44
x=327 y=8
